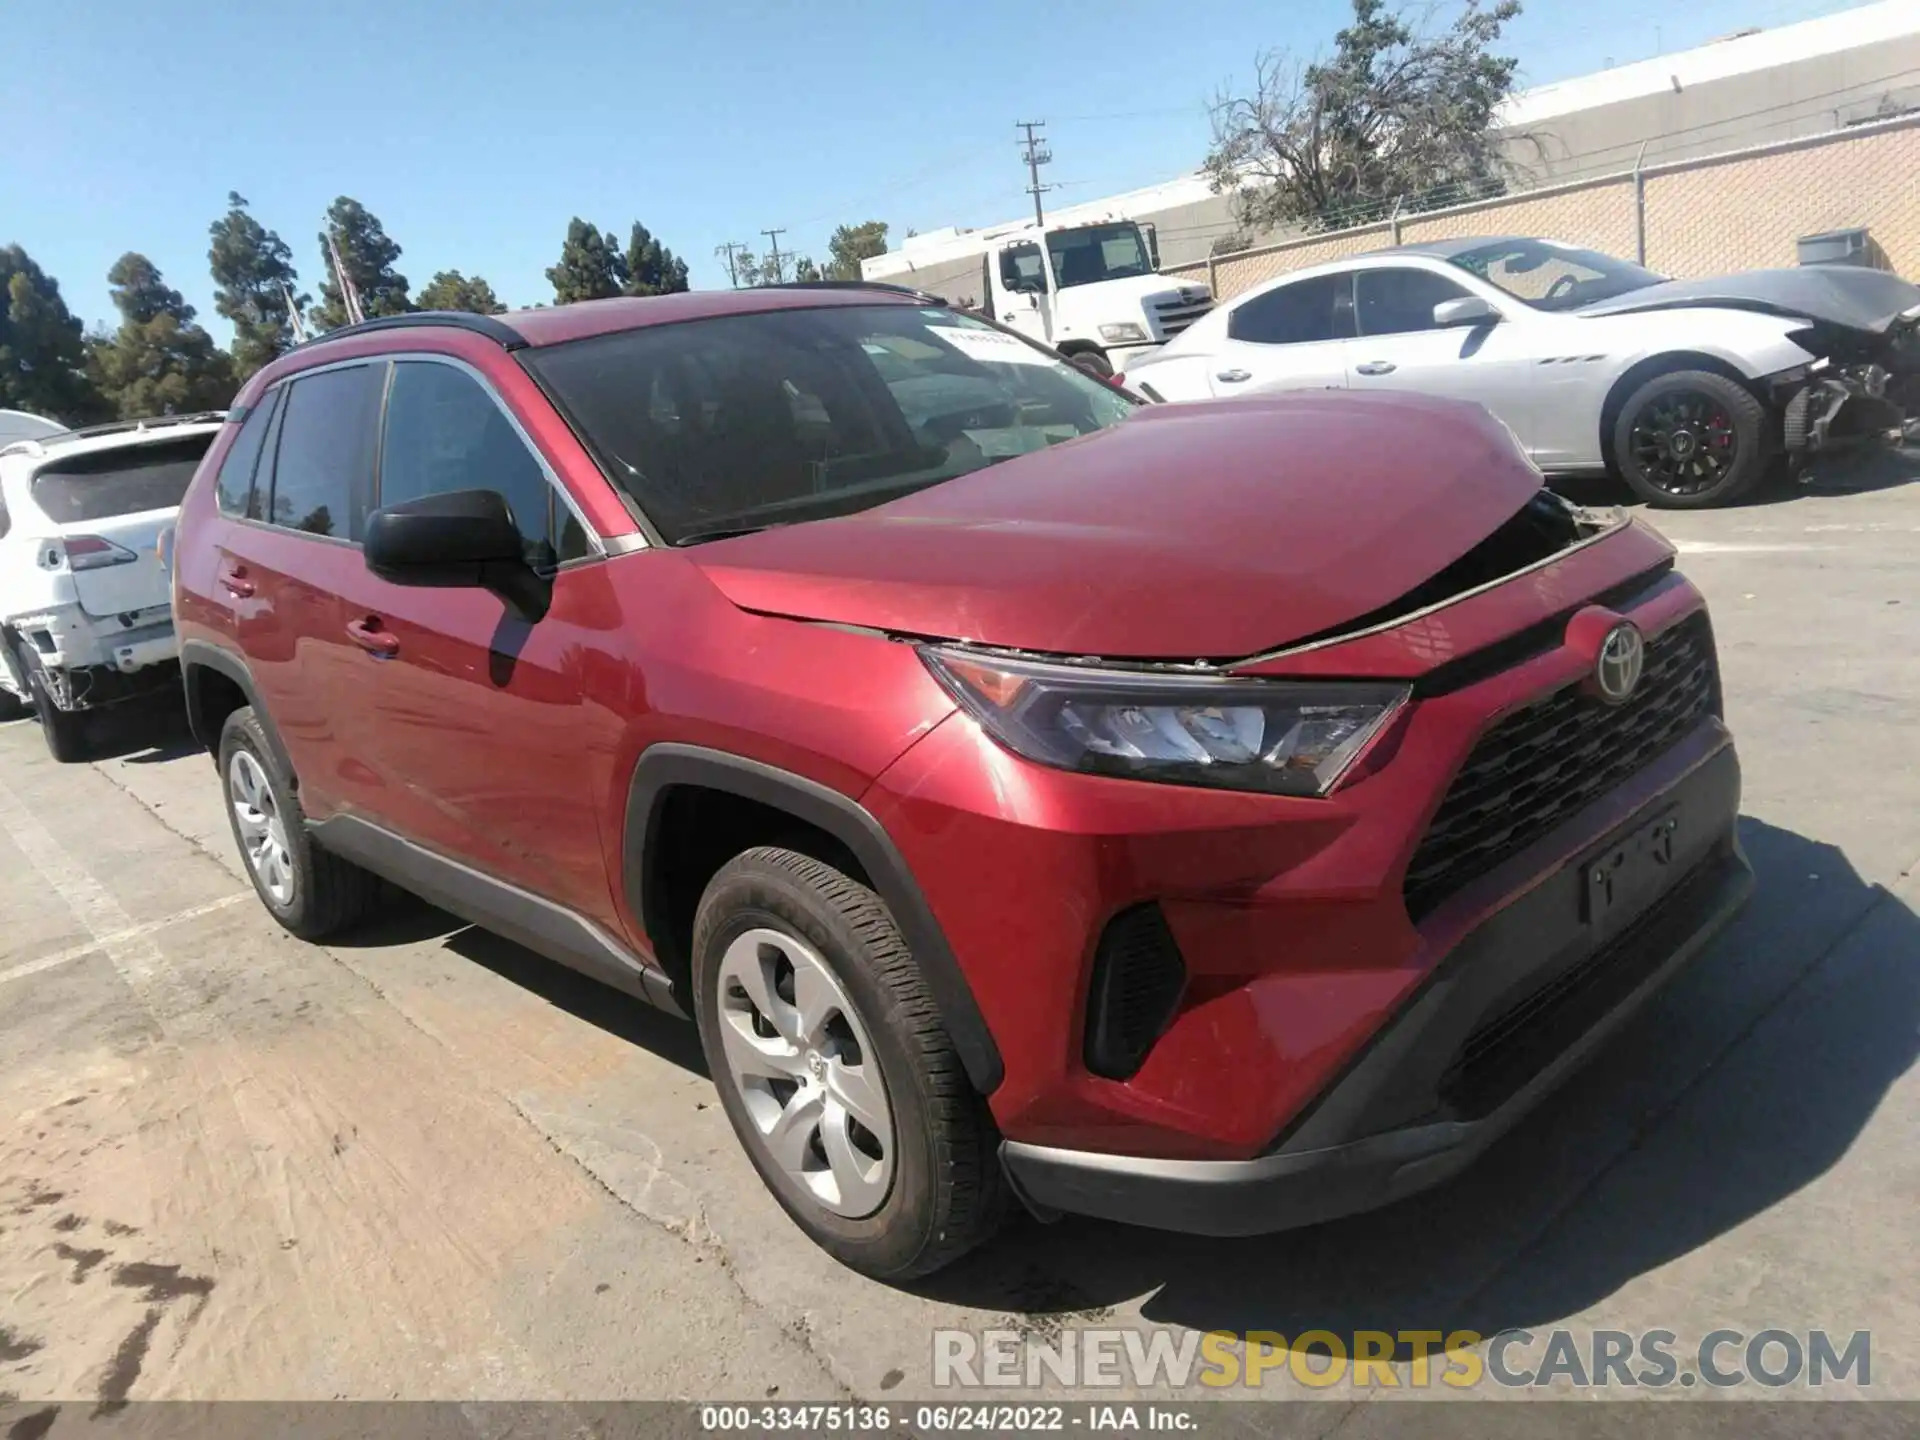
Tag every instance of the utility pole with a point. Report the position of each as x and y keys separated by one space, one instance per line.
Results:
x=1036 y=155
x=773 y=248
x=727 y=248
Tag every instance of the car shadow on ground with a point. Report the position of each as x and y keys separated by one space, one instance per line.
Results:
x=142 y=733
x=1749 y=1078
x=406 y=919
x=1841 y=473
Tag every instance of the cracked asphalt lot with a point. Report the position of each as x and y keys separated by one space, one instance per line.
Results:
x=426 y=1164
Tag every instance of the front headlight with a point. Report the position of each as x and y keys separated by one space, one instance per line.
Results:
x=1281 y=737
x=1124 y=331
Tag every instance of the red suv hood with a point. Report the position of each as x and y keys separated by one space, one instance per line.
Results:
x=1201 y=531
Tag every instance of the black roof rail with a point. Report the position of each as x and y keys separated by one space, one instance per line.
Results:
x=491 y=326
x=906 y=290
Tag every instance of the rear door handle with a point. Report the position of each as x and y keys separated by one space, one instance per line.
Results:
x=1233 y=377
x=1376 y=367
x=367 y=634
x=234 y=579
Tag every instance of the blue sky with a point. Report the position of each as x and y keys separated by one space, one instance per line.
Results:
x=476 y=129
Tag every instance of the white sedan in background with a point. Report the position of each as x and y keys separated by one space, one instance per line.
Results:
x=1684 y=388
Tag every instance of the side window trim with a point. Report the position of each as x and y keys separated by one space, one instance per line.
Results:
x=1346 y=307
x=267 y=464
x=558 y=494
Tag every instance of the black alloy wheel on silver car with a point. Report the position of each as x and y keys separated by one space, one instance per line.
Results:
x=1690 y=439
x=835 y=1071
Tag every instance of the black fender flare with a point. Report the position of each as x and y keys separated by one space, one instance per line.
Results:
x=224 y=662
x=663 y=766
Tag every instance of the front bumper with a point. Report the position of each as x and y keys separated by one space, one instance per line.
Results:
x=1520 y=1003
x=1839 y=406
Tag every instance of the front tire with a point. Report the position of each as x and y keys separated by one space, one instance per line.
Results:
x=310 y=891
x=1690 y=439
x=834 y=1069
x=1093 y=362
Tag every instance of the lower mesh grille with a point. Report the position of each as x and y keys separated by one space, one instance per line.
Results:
x=1541 y=765
x=1138 y=976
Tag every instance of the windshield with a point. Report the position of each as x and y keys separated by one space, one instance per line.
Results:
x=1098 y=252
x=1550 y=276
x=125 y=481
x=745 y=421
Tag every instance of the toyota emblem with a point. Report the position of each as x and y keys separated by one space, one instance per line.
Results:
x=1622 y=656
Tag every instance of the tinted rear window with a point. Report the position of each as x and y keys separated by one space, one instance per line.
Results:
x=106 y=483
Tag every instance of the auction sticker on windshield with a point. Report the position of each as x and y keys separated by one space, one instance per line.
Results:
x=992 y=346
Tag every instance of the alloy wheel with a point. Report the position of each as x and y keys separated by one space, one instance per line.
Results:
x=263 y=834
x=799 y=1055
x=1684 y=442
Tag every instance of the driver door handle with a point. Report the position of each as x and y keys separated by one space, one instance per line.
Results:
x=1376 y=367
x=1233 y=377
x=370 y=637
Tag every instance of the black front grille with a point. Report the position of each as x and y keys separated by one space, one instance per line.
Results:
x=1543 y=764
x=1138 y=977
x=1176 y=315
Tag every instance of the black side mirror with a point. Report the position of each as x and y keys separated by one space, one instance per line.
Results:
x=462 y=539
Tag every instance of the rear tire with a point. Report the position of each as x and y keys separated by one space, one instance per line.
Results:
x=1690 y=439
x=893 y=1206
x=66 y=731
x=309 y=890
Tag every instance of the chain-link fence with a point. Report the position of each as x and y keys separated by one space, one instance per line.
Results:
x=1739 y=210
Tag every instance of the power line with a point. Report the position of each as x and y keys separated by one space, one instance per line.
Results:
x=773 y=246
x=727 y=247
x=1037 y=155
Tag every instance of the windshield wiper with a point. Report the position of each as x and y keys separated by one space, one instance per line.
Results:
x=728 y=532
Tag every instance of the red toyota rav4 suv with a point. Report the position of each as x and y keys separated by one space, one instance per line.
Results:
x=1217 y=817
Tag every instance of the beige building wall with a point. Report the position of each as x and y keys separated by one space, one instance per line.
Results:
x=1738 y=211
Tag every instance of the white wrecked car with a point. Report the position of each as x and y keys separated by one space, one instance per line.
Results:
x=86 y=616
x=1684 y=388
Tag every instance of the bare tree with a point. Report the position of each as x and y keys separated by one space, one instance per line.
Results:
x=1397 y=111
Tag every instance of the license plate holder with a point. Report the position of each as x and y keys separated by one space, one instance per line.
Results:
x=1623 y=879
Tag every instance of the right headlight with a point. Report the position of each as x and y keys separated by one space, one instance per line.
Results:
x=1279 y=736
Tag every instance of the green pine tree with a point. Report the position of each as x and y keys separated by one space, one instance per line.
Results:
x=159 y=362
x=251 y=265
x=651 y=268
x=367 y=254
x=450 y=290
x=591 y=266
x=43 y=360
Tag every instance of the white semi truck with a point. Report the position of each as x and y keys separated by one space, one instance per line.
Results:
x=1091 y=289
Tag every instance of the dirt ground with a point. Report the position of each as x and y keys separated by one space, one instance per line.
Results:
x=424 y=1163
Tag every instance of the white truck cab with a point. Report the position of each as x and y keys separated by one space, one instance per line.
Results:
x=1092 y=289
x=86 y=616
